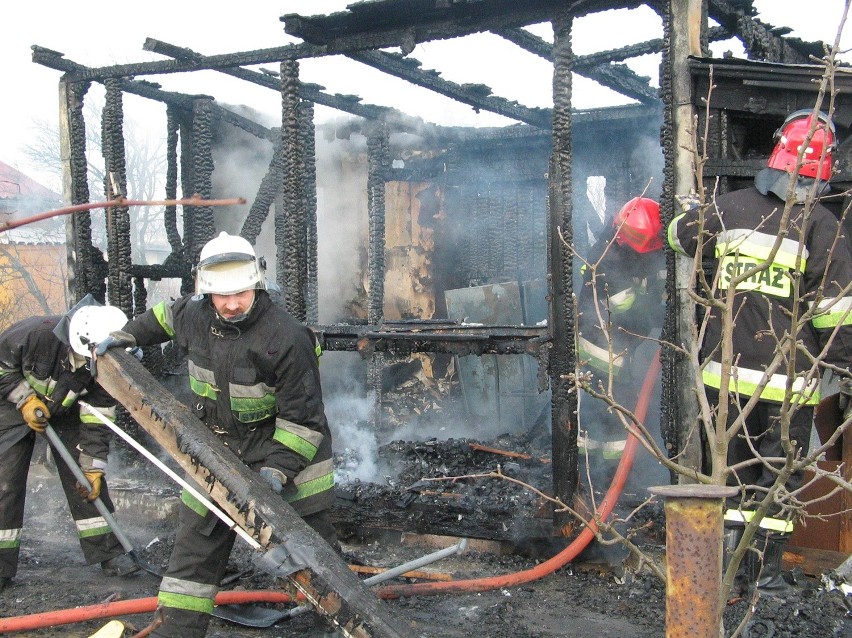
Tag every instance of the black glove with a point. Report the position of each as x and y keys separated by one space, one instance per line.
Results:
x=117 y=339
x=845 y=398
x=275 y=478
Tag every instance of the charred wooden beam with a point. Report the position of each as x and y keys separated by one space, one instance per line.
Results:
x=389 y=23
x=292 y=548
x=187 y=64
x=479 y=96
x=312 y=93
x=59 y=62
x=536 y=45
x=598 y=67
x=762 y=41
x=408 y=337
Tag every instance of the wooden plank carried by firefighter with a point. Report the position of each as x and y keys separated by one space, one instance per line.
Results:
x=292 y=549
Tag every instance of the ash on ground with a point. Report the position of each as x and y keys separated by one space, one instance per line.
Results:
x=591 y=595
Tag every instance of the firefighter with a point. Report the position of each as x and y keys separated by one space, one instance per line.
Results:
x=43 y=371
x=254 y=378
x=809 y=272
x=620 y=304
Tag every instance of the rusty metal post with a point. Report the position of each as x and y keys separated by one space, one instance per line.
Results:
x=693 y=558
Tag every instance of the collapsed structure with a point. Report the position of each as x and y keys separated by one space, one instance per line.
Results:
x=464 y=251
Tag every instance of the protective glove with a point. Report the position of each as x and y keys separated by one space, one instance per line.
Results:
x=116 y=339
x=845 y=398
x=35 y=413
x=95 y=478
x=275 y=478
x=689 y=201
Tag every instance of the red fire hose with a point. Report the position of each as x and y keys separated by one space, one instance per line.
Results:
x=128 y=607
x=577 y=545
x=142 y=605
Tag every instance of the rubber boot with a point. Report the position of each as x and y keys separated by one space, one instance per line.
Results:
x=771 y=579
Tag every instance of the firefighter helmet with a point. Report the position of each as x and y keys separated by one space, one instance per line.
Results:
x=638 y=225
x=91 y=325
x=227 y=265
x=789 y=138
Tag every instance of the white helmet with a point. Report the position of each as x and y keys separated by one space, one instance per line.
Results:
x=91 y=325
x=227 y=265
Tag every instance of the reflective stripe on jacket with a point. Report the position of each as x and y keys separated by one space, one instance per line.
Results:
x=740 y=230
x=256 y=385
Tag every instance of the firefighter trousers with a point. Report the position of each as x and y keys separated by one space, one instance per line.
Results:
x=96 y=538
x=203 y=545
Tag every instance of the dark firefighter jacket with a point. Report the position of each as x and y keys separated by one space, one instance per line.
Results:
x=256 y=385
x=741 y=228
x=34 y=360
x=619 y=305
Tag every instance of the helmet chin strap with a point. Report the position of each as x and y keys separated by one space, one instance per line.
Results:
x=772 y=180
x=242 y=316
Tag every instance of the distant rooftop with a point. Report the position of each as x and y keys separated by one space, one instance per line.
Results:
x=15 y=185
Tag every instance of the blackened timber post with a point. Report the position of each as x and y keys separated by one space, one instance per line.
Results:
x=82 y=276
x=378 y=162
x=115 y=185
x=290 y=232
x=560 y=276
x=202 y=225
x=310 y=192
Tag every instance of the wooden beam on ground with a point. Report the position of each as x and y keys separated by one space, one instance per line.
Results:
x=290 y=547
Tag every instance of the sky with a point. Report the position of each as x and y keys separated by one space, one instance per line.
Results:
x=106 y=33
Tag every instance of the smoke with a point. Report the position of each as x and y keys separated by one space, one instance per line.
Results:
x=342 y=225
x=355 y=444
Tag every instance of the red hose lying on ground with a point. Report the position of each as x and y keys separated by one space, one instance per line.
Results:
x=128 y=607
x=142 y=605
x=577 y=545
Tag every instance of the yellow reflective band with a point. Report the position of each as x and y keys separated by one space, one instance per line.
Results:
x=202 y=389
x=187 y=603
x=772 y=524
x=671 y=234
x=193 y=503
x=745 y=382
x=186 y=594
x=773 y=280
x=757 y=245
x=163 y=314
x=832 y=312
x=296 y=443
x=96 y=526
x=598 y=357
x=10 y=538
x=311 y=488
x=622 y=301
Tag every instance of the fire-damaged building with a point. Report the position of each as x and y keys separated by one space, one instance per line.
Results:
x=461 y=248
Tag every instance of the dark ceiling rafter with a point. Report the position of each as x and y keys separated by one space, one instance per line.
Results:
x=406 y=23
x=313 y=93
x=477 y=96
x=761 y=41
x=599 y=67
x=400 y=23
x=58 y=61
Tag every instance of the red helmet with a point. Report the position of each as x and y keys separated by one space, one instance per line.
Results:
x=790 y=137
x=638 y=225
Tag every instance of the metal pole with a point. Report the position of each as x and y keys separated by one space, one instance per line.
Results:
x=71 y=462
x=173 y=475
x=694 y=525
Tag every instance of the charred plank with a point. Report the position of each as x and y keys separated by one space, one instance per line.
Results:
x=320 y=574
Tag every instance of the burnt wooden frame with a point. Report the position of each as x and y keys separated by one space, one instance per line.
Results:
x=358 y=33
